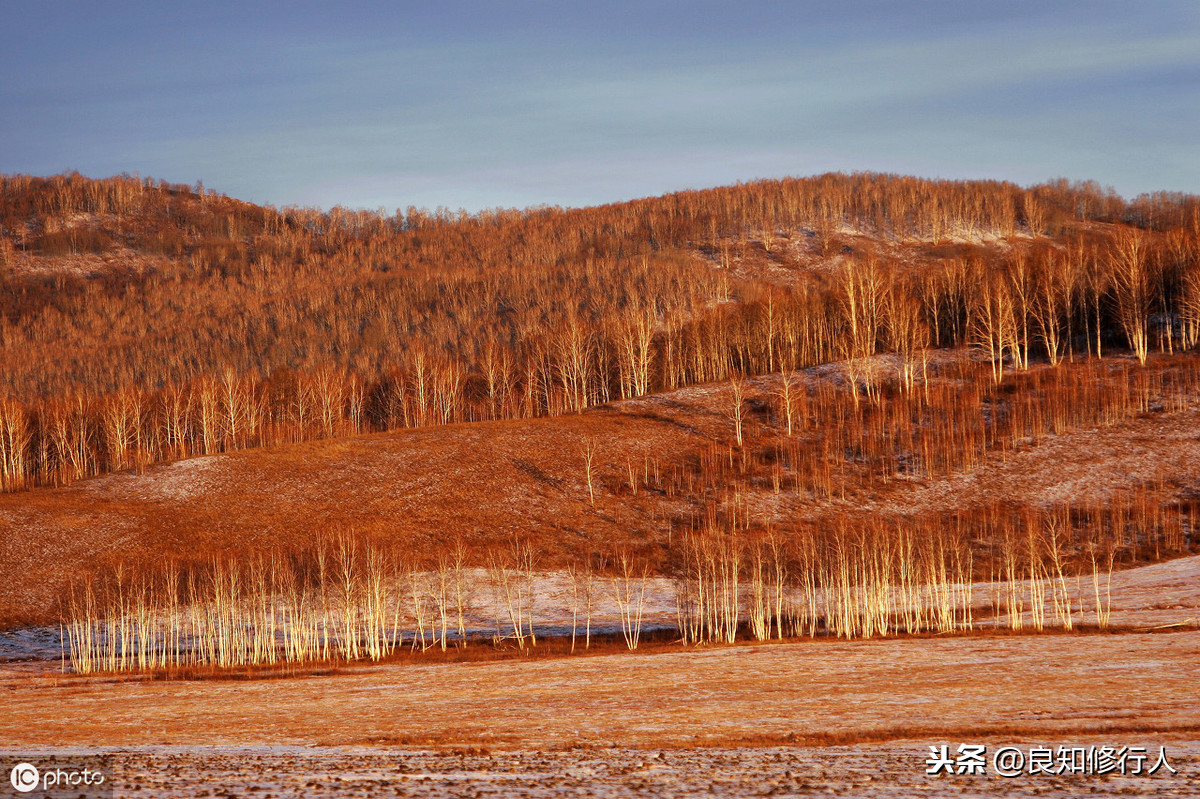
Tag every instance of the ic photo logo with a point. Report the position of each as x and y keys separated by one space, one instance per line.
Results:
x=24 y=777
x=82 y=777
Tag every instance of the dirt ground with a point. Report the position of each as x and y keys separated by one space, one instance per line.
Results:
x=808 y=718
x=812 y=718
x=869 y=771
x=819 y=692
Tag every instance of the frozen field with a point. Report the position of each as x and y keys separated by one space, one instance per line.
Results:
x=887 y=770
x=822 y=717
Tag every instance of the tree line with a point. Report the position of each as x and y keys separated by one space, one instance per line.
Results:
x=1056 y=300
x=347 y=597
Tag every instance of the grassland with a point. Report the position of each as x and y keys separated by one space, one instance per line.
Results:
x=748 y=491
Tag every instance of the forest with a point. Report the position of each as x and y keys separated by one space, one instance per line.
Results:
x=143 y=323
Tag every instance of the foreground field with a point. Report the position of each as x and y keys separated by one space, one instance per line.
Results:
x=823 y=717
x=867 y=771
x=816 y=693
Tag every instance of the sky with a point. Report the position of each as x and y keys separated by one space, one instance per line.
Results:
x=479 y=105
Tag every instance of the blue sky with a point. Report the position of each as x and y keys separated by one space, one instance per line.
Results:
x=511 y=104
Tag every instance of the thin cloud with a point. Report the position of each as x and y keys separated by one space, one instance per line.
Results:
x=548 y=103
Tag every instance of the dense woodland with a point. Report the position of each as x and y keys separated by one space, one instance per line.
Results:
x=143 y=322
x=850 y=567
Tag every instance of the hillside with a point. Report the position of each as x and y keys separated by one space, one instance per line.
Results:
x=142 y=322
x=663 y=464
x=805 y=389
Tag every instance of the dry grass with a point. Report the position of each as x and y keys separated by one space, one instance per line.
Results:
x=832 y=691
x=492 y=479
x=865 y=771
x=658 y=468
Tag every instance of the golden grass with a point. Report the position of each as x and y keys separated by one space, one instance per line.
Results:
x=1036 y=685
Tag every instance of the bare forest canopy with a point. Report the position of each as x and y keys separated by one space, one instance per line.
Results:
x=142 y=322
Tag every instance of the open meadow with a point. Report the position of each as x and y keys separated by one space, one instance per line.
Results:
x=811 y=718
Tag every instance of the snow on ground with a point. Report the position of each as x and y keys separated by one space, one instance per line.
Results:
x=179 y=480
x=30 y=643
x=865 y=771
x=1158 y=595
x=1053 y=688
x=810 y=718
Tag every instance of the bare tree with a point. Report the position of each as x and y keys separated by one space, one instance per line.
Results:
x=14 y=442
x=1132 y=283
x=1050 y=306
x=1189 y=311
x=512 y=574
x=589 y=449
x=629 y=592
x=582 y=573
x=789 y=396
x=993 y=321
x=738 y=386
x=907 y=333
